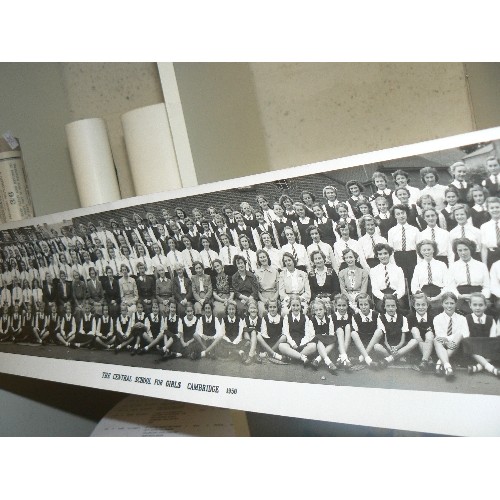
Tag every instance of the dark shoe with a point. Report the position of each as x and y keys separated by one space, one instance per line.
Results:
x=383 y=363
x=374 y=366
x=315 y=364
x=448 y=373
x=306 y=362
x=423 y=366
x=332 y=369
x=249 y=360
x=440 y=370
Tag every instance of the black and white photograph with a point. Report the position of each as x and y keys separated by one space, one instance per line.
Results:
x=374 y=275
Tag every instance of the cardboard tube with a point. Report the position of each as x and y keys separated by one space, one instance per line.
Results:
x=151 y=151
x=92 y=161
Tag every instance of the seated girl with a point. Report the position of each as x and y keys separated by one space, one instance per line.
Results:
x=271 y=332
x=324 y=336
x=395 y=328
x=483 y=345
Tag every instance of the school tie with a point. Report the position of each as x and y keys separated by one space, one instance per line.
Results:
x=403 y=239
x=373 y=245
x=294 y=252
x=191 y=257
x=429 y=273
x=421 y=319
x=229 y=255
x=462 y=184
x=467 y=270
x=209 y=258
x=175 y=255
x=497 y=226
x=463 y=231
x=387 y=281
x=450 y=328
x=249 y=263
x=433 y=234
x=346 y=246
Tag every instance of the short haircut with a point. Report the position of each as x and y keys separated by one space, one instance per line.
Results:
x=383 y=246
x=290 y=256
x=428 y=170
x=448 y=295
x=363 y=296
x=421 y=243
x=455 y=165
x=471 y=245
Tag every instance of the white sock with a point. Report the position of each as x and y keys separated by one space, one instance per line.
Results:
x=317 y=358
x=203 y=354
x=447 y=366
x=328 y=361
x=439 y=362
x=389 y=359
x=361 y=358
x=368 y=360
x=303 y=357
x=489 y=367
x=343 y=357
x=277 y=356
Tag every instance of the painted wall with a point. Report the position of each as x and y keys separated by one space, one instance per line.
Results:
x=34 y=107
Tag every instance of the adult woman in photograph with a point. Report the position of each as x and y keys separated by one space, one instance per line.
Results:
x=323 y=281
x=128 y=289
x=464 y=229
x=245 y=285
x=267 y=276
x=201 y=286
x=293 y=282
x=352 y=278
x=222 y=289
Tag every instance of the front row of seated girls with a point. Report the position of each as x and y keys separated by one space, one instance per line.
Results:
x=378 y=339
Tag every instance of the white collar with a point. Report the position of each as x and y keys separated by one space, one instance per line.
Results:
x=296 y=318
x=420 y=318
x=479 y=320
x=391 y=319
x=208 y=320
x=341 y=317
x=368 y=316
x=321 y=321
x=273 y=319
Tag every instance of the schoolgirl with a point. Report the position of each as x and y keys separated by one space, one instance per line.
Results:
x=459 y=172
x=139 y=330
x=124 y=325
x=325 y=225
x=490 y=233
x=476 y=199
x=208 y=332
x=105 y=335
x=52 y=324
x=451 y=199
x=302 y=223
x=384 y=218
x=39 y=321
x=16 y=323
x=299 y=334
x=186 y=330
x=402 y=179
x=365 y=329
x=483 y=345
x=67 y=331
x=449 y=330
x=324 y=336
x=342 y=209
x=420 y=323
x=248 y=214
x=395 y=329
x=231 y=332
x=492 y=182
x=271 y=331
x=379 y=180
x=27 y=328
x=5 y=324
x=430 y=178
x=330 y=207
x=354 y=188
x=252 y=325
x=85 y=335
x=342 y=325
x=287 y=204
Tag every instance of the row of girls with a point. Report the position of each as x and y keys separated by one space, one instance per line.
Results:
x=304 y=248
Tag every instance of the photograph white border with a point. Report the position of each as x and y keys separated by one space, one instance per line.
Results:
x=420 y=411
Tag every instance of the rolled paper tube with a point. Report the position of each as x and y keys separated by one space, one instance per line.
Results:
x=15 y=198
x=151 y=150
x=92 y=161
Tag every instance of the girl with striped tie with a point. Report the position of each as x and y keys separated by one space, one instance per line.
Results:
x=449 y=329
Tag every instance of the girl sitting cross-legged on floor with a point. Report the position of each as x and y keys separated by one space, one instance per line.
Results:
x=342 y=325
x=299 y=333
x=271 y=332
x=483 y=345
x=395 y=328
x=208 y=331
x=251 y=328
x=324 y=336
x=365 y=329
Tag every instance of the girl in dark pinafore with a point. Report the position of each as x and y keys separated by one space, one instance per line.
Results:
x=483 y=345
